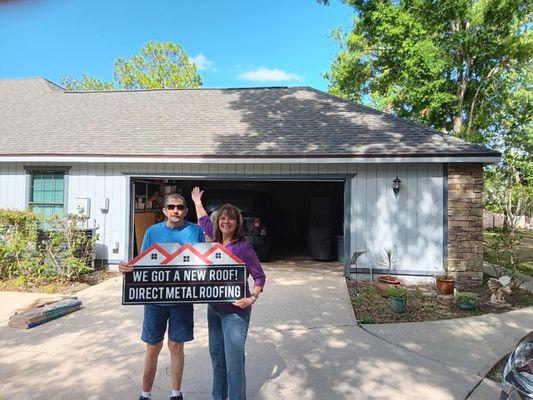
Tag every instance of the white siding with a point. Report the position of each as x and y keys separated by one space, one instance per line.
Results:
x=12 y=186
x=411 y=225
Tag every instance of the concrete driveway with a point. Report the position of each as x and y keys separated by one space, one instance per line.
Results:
x=304 y=343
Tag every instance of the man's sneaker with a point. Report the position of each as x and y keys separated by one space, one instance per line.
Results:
x=141 y=397
x=180 y=397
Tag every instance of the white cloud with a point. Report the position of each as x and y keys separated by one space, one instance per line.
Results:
x=202 y=62
x=269 y=75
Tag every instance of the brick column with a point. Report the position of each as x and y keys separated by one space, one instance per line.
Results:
x=465 y=222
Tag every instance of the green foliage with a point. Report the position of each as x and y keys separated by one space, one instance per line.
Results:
x=86 y=83
x=27 y=252
x=18 y=238
x=66 y=248
x=465 y=298
x=502 y=253
x=446 y=64
x=160 y=65
x=397 y=292
x=508 y=190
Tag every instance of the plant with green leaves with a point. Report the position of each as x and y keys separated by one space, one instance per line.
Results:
x=389 y=261
x=397 y=292
x=447 y=64
x=462 y=297
x=18 y=250
x=160 y=65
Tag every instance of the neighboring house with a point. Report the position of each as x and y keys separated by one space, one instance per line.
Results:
x=92 y=151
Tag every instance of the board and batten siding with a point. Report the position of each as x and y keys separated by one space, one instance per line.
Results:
x=411 y=225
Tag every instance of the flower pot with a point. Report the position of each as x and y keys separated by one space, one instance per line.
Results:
x=389 y=279
x=445 y=285
x=398 y=305
x=466 y=305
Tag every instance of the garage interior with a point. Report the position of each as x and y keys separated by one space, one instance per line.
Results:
x=284 y=218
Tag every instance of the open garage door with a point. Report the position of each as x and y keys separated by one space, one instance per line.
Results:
x=283 y=218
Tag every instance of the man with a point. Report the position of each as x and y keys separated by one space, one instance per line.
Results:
x=180 y=317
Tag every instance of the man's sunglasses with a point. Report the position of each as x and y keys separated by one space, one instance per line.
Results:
x=180 y=207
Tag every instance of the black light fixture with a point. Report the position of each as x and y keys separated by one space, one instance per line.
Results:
x=396 y=184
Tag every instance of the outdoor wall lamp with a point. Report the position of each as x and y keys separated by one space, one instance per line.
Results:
x=396 y=184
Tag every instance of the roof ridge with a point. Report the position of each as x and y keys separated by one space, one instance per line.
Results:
x=177 y=89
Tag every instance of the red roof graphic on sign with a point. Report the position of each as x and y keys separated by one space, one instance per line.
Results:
x=148 y=250
x=182 y=249
x=218 y=246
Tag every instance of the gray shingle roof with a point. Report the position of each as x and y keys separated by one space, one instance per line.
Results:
x=41 y=118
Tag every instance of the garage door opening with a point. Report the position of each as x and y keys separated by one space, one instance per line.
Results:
x=283 y=219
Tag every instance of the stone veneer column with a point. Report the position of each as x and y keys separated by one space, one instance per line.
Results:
x=465 y=222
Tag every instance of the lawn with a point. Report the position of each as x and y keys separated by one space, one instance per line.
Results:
x=524 y=253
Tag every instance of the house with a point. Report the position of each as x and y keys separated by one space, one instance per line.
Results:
x=187 y=255
x=381 y=182
x=219 y=255
x=153 y=255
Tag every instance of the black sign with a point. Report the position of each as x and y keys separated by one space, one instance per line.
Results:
x=178 y=284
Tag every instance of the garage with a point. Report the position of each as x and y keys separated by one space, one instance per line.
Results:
x=283 y=217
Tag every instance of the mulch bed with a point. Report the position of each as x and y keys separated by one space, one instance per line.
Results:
x=371 y=306
x=62 y=286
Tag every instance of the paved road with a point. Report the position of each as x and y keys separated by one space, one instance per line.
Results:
x=303 y=344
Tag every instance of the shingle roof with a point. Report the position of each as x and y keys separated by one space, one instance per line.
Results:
x=38 y=117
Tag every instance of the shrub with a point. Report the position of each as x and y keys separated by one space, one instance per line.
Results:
x=397 y=291
x=29 y=251
x=18 y=239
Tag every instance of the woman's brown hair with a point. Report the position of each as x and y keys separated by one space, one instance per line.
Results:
x=233 y=213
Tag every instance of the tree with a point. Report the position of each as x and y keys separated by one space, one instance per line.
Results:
x=443 y=63
x=160 y=65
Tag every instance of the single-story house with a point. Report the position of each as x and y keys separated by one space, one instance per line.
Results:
x=388 y=183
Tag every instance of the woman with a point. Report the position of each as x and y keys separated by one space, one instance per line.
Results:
x=228 y=323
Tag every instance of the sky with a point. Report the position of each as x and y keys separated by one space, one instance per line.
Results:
x=235 y=43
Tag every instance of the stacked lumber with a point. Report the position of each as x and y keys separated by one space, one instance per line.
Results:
x=43 y=310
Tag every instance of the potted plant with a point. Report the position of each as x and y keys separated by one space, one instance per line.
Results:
x=466 y=301
x=389 y=261
x=398 y=298
x=445 y=282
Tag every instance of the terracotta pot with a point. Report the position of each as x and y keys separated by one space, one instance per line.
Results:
x=445 y=285
x=389 y=279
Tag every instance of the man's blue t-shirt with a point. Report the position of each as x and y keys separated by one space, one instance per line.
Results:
x=161 y=233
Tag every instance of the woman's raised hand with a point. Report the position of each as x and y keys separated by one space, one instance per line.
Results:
x=196 y=195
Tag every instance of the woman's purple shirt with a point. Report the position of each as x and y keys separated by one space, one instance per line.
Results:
x=246 y=253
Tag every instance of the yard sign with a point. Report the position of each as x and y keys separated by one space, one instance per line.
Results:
x=167 y=273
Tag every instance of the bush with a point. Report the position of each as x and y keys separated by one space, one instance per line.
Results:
x=18 y=243
x=29 y=251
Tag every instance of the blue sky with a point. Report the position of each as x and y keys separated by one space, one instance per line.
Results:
x=234 y=42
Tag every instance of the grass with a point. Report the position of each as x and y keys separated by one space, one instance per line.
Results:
x=371 y=306
x=524 y=251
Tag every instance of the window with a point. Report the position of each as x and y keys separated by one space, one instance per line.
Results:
x=186 y=259
x=218 y=255
x=47 y=192
x=154 y=256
